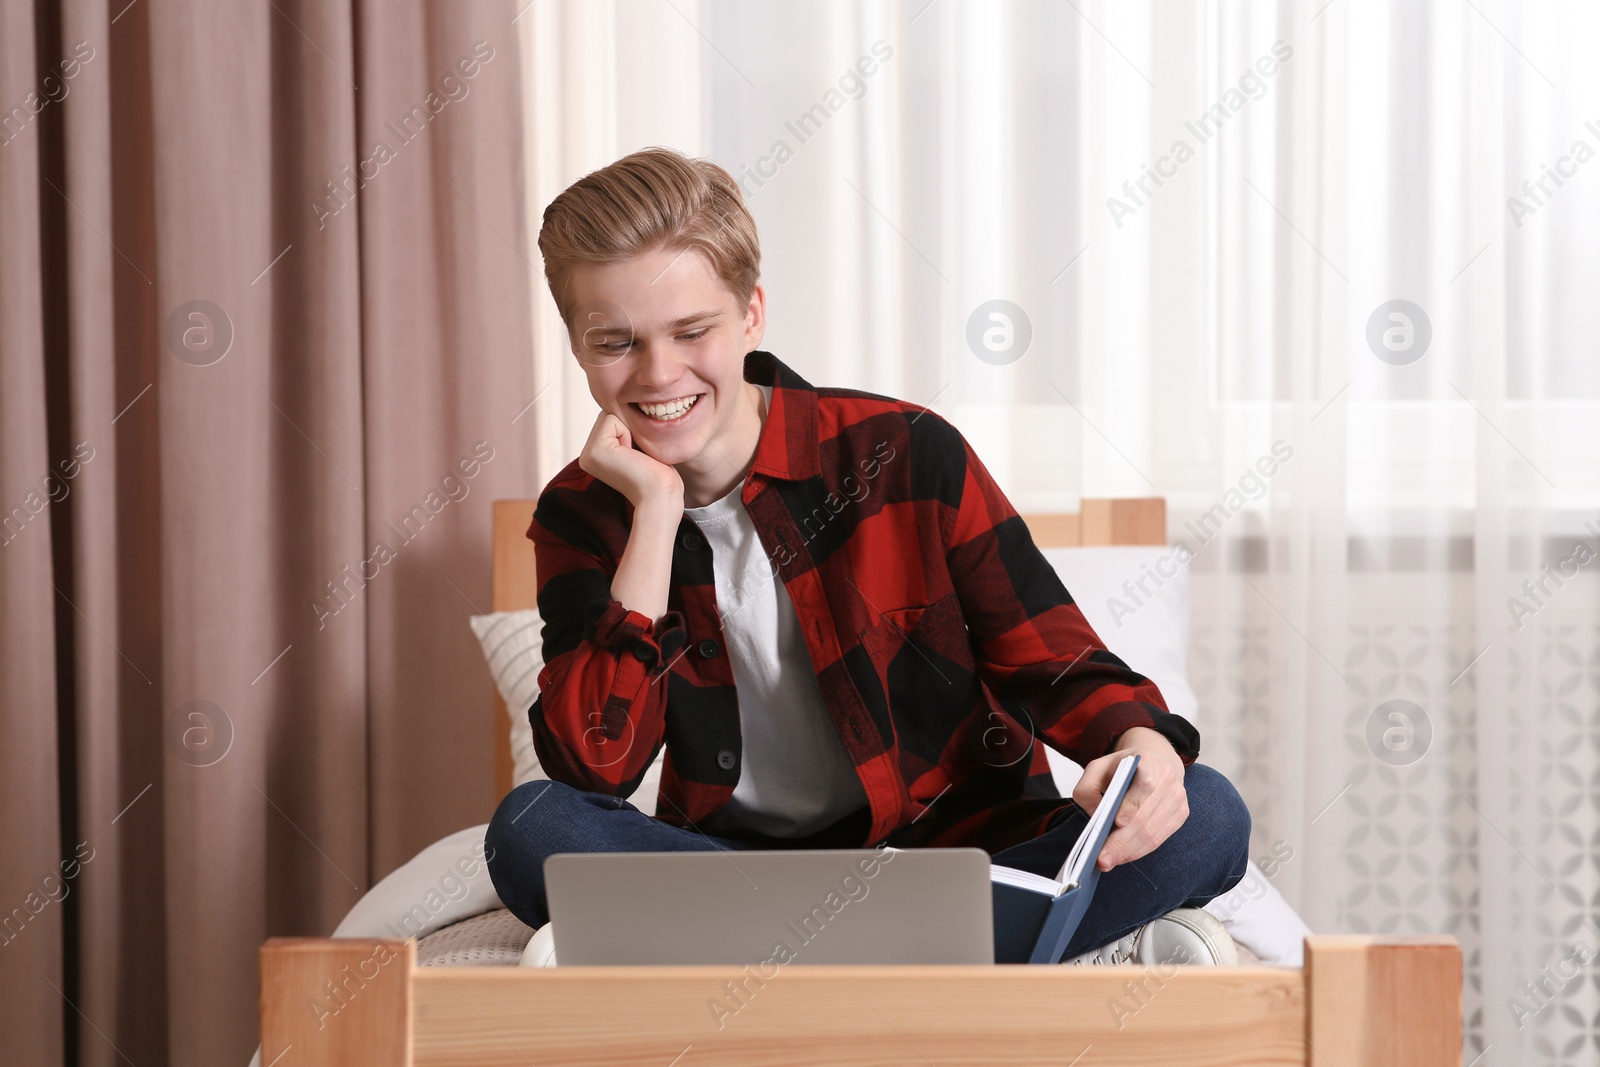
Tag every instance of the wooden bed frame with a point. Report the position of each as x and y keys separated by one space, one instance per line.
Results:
x=1359 y=1002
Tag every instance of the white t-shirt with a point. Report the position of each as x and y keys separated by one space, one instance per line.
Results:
x=796 y=778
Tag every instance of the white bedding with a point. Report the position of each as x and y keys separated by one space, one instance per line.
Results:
x=443 y=884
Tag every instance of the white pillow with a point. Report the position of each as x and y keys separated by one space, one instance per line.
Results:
x=511 y=643
x=1147 y=628
x=514 y=646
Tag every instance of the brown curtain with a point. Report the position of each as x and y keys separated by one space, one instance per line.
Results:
x=264 y=356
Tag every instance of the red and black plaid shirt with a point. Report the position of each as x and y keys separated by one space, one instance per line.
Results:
x=943 y=641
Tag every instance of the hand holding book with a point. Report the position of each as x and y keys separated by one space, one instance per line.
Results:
x=1156 y=803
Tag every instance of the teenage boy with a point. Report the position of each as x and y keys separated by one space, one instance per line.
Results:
x=817 y=599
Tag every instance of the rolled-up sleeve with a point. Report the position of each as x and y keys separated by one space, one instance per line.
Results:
x=600 y=715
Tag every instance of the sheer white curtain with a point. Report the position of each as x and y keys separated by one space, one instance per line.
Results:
x=1203 y=214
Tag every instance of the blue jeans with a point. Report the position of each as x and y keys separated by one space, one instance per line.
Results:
x=1204 y=858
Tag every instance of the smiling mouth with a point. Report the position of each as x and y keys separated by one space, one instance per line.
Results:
x=668 y=410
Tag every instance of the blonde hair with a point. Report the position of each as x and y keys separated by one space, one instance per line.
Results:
x=653 y=198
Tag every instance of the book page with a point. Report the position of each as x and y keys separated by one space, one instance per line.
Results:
x=1024 y=880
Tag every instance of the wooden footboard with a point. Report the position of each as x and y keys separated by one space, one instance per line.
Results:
x=1359 y=1002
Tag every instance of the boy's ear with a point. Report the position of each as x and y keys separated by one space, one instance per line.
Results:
x=755 y=319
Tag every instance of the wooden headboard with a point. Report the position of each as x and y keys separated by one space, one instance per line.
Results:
x=1118 y=521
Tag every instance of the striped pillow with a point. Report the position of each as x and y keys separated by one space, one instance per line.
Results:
x=511 y=643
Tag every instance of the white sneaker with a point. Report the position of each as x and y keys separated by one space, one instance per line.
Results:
x=1186 y=935
x=541 y=950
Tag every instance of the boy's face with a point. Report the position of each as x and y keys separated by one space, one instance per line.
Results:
x=662 y=341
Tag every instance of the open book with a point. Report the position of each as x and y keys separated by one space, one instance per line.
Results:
x=1035 y=916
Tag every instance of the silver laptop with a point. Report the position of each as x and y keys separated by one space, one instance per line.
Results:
x=927 y=905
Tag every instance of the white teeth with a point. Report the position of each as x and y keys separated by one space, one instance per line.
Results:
x=670 y=410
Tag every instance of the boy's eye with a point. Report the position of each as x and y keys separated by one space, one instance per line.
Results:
x=623 y=346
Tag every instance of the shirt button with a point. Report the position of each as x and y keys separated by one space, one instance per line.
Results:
x=708 y=649
x=725 y=759
x=692 y=541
